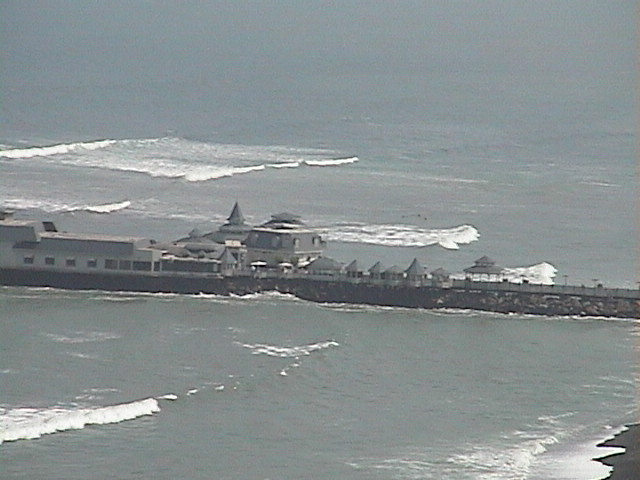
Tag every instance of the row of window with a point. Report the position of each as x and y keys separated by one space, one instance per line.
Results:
x=109 y=264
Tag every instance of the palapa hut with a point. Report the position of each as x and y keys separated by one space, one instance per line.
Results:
x=353 y=270
x=324 y=266
x=375 y=272
x=415 y=272
x=484 y=268
x=393 y=273
x=441 y=277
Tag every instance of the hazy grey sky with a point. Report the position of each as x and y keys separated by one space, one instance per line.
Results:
x=111 y=40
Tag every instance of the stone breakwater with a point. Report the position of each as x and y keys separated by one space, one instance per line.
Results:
x=493 y=297
x=501 y=297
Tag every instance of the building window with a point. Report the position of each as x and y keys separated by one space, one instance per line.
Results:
x=29 y=260
x=70 y=262
x=156 y=266
x=125 y=264
x=92 y=263
x=49 y=261
x=111 y=264
x=296 y=242
x=142 y=266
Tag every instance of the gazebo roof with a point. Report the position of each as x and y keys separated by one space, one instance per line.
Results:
x=484 y=270
x=353 y=267
x=324 y=263
x=415 y=268
x=376 y=268
x=394 y=270
x=485 y=261
x=440 y=272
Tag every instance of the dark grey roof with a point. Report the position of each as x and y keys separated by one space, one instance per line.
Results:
x=236 y=217
x=484 y=270
x=393 y=270
x=376 y=268
x=353 y=267
x=440 y=272
x=485 y=261
x=284 y=220
x=324 y=263
x=415 y=268
x=227 y=257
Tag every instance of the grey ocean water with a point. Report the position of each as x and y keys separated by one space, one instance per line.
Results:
x=445 y=156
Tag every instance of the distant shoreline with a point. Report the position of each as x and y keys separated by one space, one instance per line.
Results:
x=626 y=465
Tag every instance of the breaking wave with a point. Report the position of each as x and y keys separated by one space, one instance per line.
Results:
x=403 y=235
x=53 y=207
x=543 y=273
x=331 y=162
x=59 y=149
x=30 y=423
x=171 y=157
x=288 y=352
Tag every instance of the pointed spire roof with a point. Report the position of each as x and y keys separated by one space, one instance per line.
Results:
x=236 y=217
x=415 y=268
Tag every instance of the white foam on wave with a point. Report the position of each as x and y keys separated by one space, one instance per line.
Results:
x=53 y=207
x=178 y=158
x=542 y=273
x=331 y=162
x=58 y=149
x=107 y=207
x=288 y=352
x=30 y=423
x=403 y=235
x=511 y=461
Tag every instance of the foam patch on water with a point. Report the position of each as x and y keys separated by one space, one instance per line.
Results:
x=30 y=423
x=288 y=352
x=511 y=461
x=171 y=157
x=403 y=235
x=83 y=337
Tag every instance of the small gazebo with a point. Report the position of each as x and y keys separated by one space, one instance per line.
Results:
x=375 y=272
x=415 y=272
x=393 y=273
x=353 y=270
x=485 y=268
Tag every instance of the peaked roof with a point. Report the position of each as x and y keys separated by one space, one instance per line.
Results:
x=415 y=268
x=353 y=267
x=227 y=257
x=485 y=261
x=236 y=217
x=440 y=272
x=394 y=269
x=324 y=263
x=376 y=268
